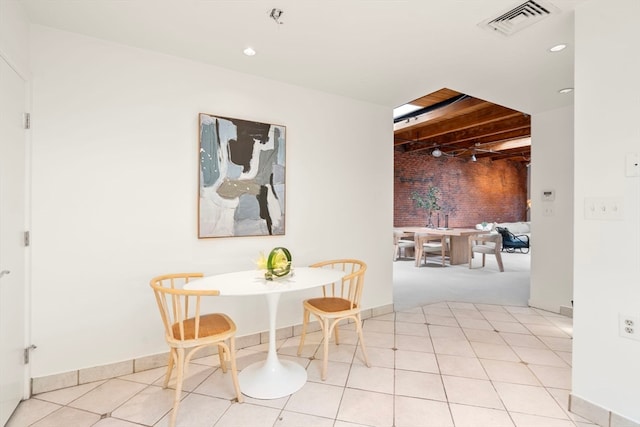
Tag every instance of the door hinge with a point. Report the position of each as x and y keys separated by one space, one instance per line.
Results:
x=27 y=121
x=27 y=238
x=27 y=352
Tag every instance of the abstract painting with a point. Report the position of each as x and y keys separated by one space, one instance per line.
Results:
x=242 y=178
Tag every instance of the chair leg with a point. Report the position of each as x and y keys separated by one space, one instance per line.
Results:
x=337 y=335
x=221 y=355
x=179 y=378
x=483 y=258
x=499 y=259
x=361 y=337
x=234 y=369
x=305 y=320
x=326 y=332
x=167 y=376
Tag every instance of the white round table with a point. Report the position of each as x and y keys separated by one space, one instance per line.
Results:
x=273 y=378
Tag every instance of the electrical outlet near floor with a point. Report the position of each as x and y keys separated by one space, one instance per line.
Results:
x=629 y=326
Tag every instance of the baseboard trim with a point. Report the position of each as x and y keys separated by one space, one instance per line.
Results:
x=596 y=414
x=104 y=372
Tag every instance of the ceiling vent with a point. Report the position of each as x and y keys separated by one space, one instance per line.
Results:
x=511 y=21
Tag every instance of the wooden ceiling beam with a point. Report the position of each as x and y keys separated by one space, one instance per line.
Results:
x=456 y=108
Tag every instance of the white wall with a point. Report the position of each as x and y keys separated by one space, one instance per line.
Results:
x=115 y=169
x=552 y=221
x=14 y=36
x=606 y=368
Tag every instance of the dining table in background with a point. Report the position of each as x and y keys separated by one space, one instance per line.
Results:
x=272 y=378
x=458 y=240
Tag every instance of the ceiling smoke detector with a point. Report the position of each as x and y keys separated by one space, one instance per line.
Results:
x=520 y=17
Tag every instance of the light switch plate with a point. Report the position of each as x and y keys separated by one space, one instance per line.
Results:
x=604 y=208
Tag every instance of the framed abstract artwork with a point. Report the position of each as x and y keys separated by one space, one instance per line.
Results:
x=242 y=178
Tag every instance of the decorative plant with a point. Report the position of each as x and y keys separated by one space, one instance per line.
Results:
x=428 y=201
x=277 y=264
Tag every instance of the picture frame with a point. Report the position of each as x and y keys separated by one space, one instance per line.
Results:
x=241 y=185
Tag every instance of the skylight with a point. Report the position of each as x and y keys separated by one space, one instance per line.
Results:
x=405 y=109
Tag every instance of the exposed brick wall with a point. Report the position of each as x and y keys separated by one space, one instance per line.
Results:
x=470 y=192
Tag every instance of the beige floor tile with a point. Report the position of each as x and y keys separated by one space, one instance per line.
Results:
x=467 y=314
x=30 y=411
x=509 y=372
x=490 y=307
x=372 y=325
x=290 y=347
x=247 y=414
x=389 y=317
x=473 y=416
x=149 y=376
x=475 y=324
x=411 y=343
x=317 y=399
x=337 y=353
x=566 y=356
x=371 y=379
x=108 y=396
x=498 y=316
x=551 y=376
x=416 y=361
x=442 y=311
x=534 y=319
x=411 y=317
x=197 y=410
x=468 y=391
x=114 y=422
x=146 y=407
x=382 y=357
x=536 y=356
x=522 y=340
x=337 y=372
x=494 y=352
x=407 y=328
x=520 y=310
x=412 y=412
x=525 y=420
x=462 y=306
x=449 y=332
x=293 y=419
x=454 y=347
x=194 y=376
x=366 y=408
x=245 y=358
x=66 y=395
x=509 y=327
x=530 y=400
x=218 y=385
x=419 y=384
x=478 y=335
x=66 y=416
x=458 y=366
x=547 y=331
x=376 y=339
x=433 y=319
x=558 y=343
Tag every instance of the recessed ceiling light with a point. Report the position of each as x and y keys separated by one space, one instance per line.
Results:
x=566 y=90
x=558 y=48
x=249 y=51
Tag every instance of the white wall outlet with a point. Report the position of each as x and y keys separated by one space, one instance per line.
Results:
x=632 y=164
x=604 y=208
x=629 y=326
x=547 y=210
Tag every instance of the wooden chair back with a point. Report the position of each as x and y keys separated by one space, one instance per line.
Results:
x=351 y=285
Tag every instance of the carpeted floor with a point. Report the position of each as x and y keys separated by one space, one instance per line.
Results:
x=432 y=283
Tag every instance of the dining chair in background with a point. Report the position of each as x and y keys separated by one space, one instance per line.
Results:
x=339 y=301
x=187 y=330
x=486 y=244
x=401 y=242
x=426 y=244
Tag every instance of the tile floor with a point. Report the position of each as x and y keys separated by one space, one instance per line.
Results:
x=445 y=364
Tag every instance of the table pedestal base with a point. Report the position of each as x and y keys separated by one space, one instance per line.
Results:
x=269 y=380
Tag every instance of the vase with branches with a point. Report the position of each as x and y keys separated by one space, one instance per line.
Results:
x=428 y=201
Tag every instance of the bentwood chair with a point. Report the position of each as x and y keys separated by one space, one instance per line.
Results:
x=426 y=244
x=339 y=301
x=187 y=330
x=401 y=243
x=486 y=244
